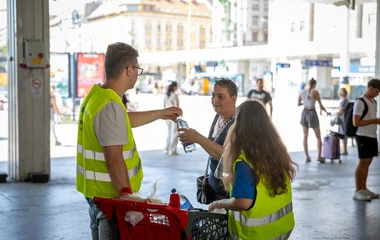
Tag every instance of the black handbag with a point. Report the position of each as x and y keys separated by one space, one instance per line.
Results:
x=205 y=194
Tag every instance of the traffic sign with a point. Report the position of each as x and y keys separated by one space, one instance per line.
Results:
x=318 y=63
x=283 y=65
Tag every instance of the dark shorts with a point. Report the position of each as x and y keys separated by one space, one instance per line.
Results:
x=367 y=147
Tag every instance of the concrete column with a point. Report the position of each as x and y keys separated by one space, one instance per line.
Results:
x=345 y=51
x=243 y=67
x=29 y=105
x=311 y=22
x=181 y=72
x=378 y=62
x=324 y=80
x=359 y=20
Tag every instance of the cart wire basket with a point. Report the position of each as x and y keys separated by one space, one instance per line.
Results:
x=203 y=225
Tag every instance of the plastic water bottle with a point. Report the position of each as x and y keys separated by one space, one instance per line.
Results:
x=175 y=199
x=190 y=147
x=184 y=202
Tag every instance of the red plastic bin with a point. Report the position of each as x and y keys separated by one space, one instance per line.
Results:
x=163 y=222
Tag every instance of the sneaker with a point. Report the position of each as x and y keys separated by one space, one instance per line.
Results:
x=361 y=196
x=308 y=159
x=166 y=152
x=173 y=154
x=370 y=193
x=344 y=153
x=57 y=143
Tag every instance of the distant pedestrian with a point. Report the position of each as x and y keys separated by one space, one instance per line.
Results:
x=342 y=104
x=127 y=103
x=365 y=119
x=262 y=95
x=171 y=100
x=54 y=110
x=309 y=117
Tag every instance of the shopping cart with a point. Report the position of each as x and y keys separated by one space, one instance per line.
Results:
x=163 y=222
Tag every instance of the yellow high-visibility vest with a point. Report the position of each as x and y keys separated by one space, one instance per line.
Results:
x=93 y=178
x=269 y=218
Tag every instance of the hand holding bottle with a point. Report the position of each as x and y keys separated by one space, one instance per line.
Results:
x=188 y=135
x=170 y=113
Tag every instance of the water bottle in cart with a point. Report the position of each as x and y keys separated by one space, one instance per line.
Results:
x=184 y=202
x=190 y=147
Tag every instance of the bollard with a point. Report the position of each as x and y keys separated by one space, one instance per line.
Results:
x=37 y=177
x=3 y=177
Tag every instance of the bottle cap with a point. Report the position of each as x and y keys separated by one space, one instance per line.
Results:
x=174 y=190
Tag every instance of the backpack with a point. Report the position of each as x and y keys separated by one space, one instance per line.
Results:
x=349 y=128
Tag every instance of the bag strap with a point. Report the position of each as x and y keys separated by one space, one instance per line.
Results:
x=365 y=111
x=206 y=171
x=232 y=118
x=228 y=122
x=213 y=126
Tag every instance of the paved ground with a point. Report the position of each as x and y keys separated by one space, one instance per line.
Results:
x=322 y=195
x=323 y=204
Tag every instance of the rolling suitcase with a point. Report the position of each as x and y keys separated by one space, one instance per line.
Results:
x=331 y=147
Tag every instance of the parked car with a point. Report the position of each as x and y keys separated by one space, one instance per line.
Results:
x=3 y=100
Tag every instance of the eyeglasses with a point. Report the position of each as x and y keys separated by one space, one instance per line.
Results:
x=139 y=70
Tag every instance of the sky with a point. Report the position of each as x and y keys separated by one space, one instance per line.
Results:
x=55 y=8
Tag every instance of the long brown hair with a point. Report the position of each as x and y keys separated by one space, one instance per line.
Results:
x=312 y=84
x=254 y=134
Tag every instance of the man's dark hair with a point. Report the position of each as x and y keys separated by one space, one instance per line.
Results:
x=375 y=83
x=118 y=57
x=228 y=84
x=259 y=79
x=171 y=88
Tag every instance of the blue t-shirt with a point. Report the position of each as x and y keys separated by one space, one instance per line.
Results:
x=244 y=183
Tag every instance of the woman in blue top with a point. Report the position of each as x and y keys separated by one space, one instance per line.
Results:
x=266 y=162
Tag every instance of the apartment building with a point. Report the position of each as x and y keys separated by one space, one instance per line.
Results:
x=240 y=22
x=148 y=25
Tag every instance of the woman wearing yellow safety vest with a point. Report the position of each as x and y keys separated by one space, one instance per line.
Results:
x=258 y=171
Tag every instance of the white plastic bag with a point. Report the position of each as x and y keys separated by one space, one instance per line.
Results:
x=134 y=217
x=152 y=198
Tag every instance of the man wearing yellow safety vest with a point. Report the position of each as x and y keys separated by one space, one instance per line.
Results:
x=258 y=171
x=107 y=158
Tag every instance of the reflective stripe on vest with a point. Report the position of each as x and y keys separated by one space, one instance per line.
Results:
x=281 y=237
x=255 y=222
x=105 y=177
x=100 y=155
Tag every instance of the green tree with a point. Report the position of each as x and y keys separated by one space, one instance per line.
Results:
x=4 y=50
